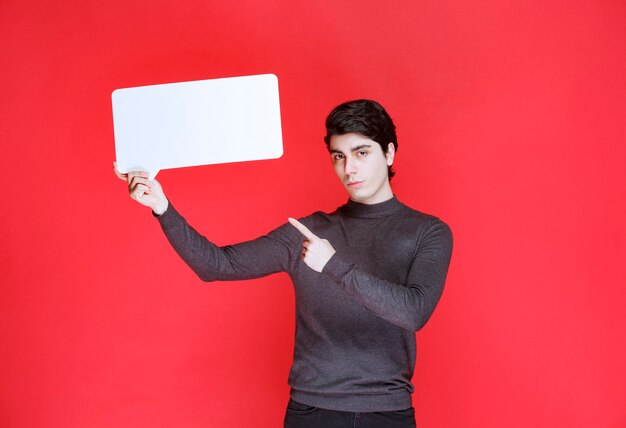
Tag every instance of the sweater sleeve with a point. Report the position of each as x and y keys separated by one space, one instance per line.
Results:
x=408 y=305
x=252 y=259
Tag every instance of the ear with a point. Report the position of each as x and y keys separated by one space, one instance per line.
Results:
x=391 y=153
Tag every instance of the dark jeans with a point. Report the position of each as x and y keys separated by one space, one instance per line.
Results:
x=303 y=416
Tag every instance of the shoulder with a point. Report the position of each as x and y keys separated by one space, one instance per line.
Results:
x=314 y=221
x=423 y=225
x=419 y=217
x=320 y=222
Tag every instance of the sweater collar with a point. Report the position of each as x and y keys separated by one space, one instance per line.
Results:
x=381 y=209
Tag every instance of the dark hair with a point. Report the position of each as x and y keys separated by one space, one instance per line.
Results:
x=364 y=117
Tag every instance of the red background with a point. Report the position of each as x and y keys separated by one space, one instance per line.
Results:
x=510 y=120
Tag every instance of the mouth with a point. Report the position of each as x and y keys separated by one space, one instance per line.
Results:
x=354 y=183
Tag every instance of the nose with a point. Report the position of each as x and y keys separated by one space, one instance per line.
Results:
x=350 y=166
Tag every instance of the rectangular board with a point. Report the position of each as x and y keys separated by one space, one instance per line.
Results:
x=197 y=123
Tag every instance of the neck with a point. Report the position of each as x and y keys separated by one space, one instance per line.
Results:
x=373 y=201
x=380 y=209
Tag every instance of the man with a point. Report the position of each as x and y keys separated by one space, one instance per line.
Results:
x=366 y=278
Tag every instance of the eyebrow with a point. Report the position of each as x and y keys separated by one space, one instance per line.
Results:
x=353 y=149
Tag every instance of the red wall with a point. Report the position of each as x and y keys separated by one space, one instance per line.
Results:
x=510 y=117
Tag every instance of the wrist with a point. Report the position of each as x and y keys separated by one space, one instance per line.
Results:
x=161 y=208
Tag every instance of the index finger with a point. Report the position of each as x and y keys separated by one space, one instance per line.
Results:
x=302 y=228
x=142 y=174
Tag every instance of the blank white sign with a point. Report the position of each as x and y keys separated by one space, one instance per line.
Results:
x=197 y=123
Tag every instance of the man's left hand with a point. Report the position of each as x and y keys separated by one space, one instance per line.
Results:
x=316 y=252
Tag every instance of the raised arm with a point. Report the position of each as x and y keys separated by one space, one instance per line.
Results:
x=263 y=256
x=252 y=259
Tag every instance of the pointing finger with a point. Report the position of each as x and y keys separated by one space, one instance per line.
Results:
x=302 y=228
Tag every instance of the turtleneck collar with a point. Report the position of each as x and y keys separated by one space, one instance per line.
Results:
x=381 y=209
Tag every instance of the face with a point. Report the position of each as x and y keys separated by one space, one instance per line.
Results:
x=362 y=167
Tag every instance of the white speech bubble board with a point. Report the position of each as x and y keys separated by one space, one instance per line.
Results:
x=194 y=123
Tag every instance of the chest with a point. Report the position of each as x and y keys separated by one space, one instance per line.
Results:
x=383 y=248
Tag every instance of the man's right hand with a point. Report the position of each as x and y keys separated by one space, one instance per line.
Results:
x=146 y=192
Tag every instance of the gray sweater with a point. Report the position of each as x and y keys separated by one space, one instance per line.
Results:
x=356 y=320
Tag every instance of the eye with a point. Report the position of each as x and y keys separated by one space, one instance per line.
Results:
x=362 y=153
x=337 y=156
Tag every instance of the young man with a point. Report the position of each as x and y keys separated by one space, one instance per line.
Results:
x=366 y=278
